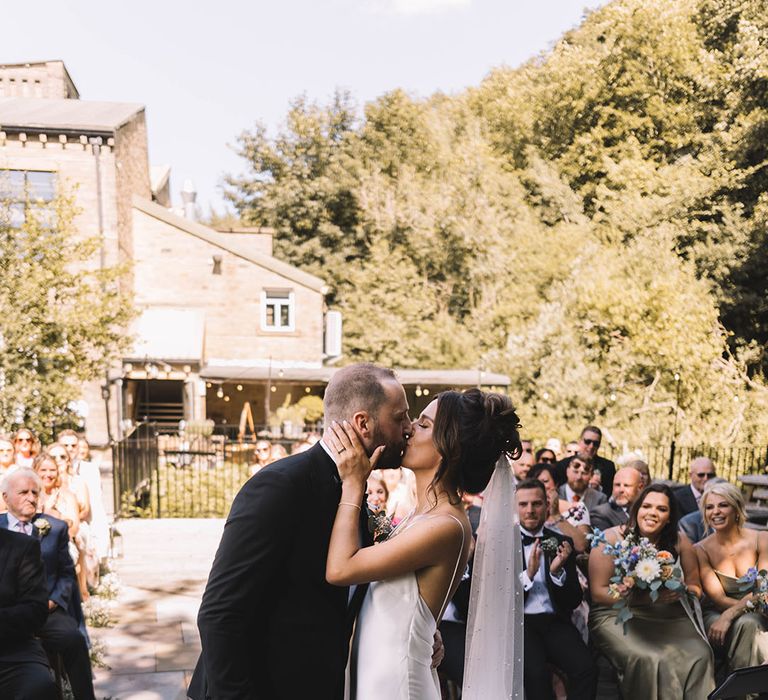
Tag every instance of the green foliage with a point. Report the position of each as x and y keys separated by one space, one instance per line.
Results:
x=592 y=223
x=63 y=318
x=312 y=406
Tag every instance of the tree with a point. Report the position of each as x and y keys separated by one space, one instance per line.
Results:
x=592 y=223
x=63 y=318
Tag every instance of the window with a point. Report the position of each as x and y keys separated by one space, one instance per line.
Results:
x=277 y=313
x=25 y=191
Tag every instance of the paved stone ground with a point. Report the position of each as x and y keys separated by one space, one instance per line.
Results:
x=153 y=647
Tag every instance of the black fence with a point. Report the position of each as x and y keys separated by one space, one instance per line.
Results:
x=172 y=476
x=162 y=475
x=671 y=461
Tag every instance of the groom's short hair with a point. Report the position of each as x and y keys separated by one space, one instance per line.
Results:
x=356 y=388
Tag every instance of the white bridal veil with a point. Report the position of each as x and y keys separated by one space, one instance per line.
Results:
x=493 y=662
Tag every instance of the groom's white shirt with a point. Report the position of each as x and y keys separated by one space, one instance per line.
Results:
x=327 y=449
x=538 y=600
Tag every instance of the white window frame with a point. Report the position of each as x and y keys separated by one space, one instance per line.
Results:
x=279 y=302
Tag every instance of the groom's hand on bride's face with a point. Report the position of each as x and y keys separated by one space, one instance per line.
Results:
x=438 y=650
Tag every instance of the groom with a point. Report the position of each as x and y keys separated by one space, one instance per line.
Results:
x=271 y=627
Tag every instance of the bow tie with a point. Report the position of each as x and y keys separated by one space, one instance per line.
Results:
x=529 y=539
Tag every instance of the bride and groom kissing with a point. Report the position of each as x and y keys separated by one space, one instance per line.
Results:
x=296 y=570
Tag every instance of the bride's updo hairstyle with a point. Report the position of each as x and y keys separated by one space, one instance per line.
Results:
x=471 y=431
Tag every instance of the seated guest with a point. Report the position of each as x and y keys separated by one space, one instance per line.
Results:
x=627 y=484
x=7 y=461
x=663 y=655
x=24 y=671
x=551 y=593
x=263 y=454
x=570 y=519
x=377 y=493
x=589 y=444
x=693 y=524
x=79 y=452
x=641 y=466
x=26 y=446
x=401 y=486
x=59 y=500
x=688 y=497
x=60 y=633
x=737 y=631
x=576 y=488
x=545 y=456
x=521 y=466
x=55 y=498
x=7 y=456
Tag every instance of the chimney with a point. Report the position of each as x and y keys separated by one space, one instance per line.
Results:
x=188 y=197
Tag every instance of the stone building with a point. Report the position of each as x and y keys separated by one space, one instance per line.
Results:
x=221 y=322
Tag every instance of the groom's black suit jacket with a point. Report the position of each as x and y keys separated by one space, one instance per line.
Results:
x=271 y=627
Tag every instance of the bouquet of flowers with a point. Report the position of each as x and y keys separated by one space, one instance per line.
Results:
x=756 y=582
x=638 y=565
x=379 y=524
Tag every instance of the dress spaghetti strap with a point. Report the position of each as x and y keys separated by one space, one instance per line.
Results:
x=455 y=568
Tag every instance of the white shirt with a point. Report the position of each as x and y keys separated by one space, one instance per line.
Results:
x=538 y=600
x=696 y=494
x=570 y=494
x=13 y=524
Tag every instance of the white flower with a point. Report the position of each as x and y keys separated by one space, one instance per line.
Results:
x=647 y=570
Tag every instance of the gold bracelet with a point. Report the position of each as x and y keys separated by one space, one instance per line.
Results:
x=349 y=503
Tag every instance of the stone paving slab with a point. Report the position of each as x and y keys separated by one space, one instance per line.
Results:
x=154 y=645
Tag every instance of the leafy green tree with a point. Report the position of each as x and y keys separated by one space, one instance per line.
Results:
x=64 y=319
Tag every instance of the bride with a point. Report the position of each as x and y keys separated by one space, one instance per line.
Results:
x=453 y=448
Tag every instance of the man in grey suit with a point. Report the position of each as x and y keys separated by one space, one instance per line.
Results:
x=576 y=487
x=627 y=484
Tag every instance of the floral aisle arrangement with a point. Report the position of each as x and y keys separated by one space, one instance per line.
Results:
x=638 y=565
x=756 y=583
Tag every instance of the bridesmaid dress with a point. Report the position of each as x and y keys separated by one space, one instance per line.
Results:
x=747 y=640
x=392 y=648
x=663 y=656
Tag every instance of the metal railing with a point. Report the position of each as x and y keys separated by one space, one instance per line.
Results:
x=671 y=461
x=161 y=475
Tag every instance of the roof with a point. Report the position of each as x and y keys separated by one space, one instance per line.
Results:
x=221 y=240
x=56 y=61
x=407 y=377
x=66 y=115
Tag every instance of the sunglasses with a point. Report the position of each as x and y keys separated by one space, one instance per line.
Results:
x=23 y=439
x=547 y=460
x=706 y=475
x=591 y=442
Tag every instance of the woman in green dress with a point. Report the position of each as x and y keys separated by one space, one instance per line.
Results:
x=738 y=632
x=664 y=654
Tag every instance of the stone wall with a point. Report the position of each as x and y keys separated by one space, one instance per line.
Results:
x=173 y=268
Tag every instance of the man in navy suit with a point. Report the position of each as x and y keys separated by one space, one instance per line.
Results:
x=60 y=633
x=24 y=671
x=551 y=592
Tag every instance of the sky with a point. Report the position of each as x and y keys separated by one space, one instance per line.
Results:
x=208 y=72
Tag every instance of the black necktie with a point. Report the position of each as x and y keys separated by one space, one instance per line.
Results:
x=529 y=539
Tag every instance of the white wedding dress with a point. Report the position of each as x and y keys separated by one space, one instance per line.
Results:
x=392 y=648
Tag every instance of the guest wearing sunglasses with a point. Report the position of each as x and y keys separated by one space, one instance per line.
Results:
x=688 y=498
x=26 y=446
x=589 y=444
x=545 y=456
